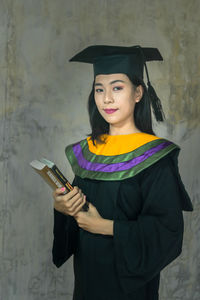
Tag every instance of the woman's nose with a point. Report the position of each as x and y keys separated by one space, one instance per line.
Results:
x=108 y=98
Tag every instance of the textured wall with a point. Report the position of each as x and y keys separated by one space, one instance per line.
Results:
x=43 y=108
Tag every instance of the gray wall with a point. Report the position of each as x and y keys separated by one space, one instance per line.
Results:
x=43 y=108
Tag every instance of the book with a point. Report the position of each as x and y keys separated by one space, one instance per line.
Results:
x=53 y=176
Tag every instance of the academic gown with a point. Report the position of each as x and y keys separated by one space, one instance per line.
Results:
x=135 y=182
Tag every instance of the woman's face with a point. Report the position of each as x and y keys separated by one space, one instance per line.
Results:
x=115 y=97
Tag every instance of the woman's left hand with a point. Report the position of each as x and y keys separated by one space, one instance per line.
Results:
x=93 y=222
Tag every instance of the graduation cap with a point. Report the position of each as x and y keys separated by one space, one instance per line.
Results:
x=127 y=60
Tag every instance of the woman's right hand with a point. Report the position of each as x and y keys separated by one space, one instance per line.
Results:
x=70 y=203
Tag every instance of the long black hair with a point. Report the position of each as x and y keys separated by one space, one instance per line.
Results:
x=142 y=113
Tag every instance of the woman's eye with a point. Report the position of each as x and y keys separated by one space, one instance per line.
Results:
x=99 y=90
x=117 y=88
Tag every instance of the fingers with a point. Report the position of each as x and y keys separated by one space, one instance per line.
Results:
x=60 y=191
x=75 y=205
x=70 y=203
x=78 y=207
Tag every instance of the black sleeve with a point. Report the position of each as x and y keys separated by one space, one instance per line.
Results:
x=145 y=246
x=65 y=236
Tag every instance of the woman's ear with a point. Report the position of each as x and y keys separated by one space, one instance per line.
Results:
x=138 y=93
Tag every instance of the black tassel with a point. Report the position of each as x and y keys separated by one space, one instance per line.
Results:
x=155 y=103
x=154 y=100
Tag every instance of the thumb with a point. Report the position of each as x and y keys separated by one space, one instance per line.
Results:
x=91 y=206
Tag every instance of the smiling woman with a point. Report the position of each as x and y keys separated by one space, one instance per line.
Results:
x=129 y=176
x=142 y=118
x=115 y=97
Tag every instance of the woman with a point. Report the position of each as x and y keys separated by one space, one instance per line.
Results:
x=129 y=177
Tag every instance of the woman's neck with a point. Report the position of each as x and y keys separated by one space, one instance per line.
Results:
x=114 y=130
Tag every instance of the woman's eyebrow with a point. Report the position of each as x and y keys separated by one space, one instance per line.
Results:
x=112 y=82
x=98 y=84
x=118 y=80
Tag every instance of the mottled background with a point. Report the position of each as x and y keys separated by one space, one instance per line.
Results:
x=43 y=108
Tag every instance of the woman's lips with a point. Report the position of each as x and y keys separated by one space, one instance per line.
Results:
x=110 y=111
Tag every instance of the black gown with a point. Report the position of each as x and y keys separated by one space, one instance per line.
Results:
x=148 y=233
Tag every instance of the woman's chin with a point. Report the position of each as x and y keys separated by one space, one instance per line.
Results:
x=110 y=119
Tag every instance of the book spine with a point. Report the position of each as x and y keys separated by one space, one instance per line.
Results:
x=62 y=178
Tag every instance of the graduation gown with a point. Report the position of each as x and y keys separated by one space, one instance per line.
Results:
x=133 y=180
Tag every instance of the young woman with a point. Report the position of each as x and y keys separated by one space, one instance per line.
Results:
x=130 y=180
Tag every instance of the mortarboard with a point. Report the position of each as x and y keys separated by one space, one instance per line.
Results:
x=116 y=59
x=127 y=60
